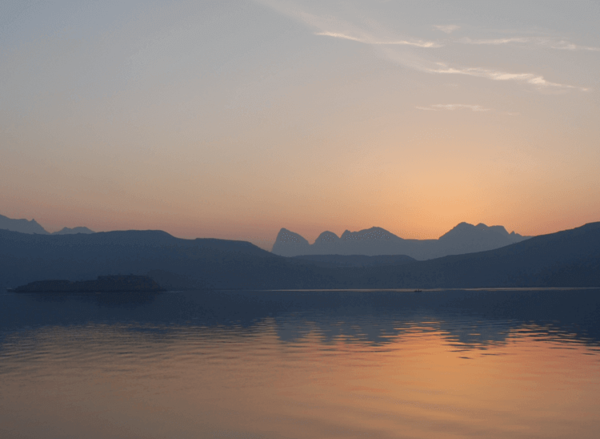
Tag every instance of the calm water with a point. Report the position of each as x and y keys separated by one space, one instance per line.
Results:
x=304 y=364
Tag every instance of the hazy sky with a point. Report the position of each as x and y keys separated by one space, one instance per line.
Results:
x=233 y=119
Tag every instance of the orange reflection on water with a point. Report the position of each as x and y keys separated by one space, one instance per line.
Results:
x=99 y=382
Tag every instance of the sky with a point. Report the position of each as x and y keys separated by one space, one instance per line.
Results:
x=233 y=119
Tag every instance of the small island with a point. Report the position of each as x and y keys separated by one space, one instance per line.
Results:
x=103 y=284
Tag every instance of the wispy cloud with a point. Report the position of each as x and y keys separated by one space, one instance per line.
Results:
x=466 y=107
x=399 y=50
x=453 y=107
x=496 y=75
x=447 y=28
x=494 y=42
x=370 y=40
x=334 y=27
x=537 y=41
x=418 y=63
x=338 y=35
x=565 y=45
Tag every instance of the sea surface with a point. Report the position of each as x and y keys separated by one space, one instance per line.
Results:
x=301 y=364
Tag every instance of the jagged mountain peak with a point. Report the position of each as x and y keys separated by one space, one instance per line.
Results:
x=374 y=233
x=289 y=243
x=463 y=238
x=327 y=238
x=289 y=237
x=465 y=229
x=21 y=225
x=73 y=231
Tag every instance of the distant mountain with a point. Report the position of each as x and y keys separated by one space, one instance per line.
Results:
x=73 y=231
x=567 y=258
x=291 y=244
x=172 y=262
x=464 y=238
x=21 y=225
x=563 y=259
x=25 y=226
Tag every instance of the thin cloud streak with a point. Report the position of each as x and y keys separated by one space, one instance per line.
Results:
x=546 y=42
x=333 y=27
x=493 y=42
x=453 y=107
x=417 y=43
x=397 y=51
x=416 y=63
x=495 y=75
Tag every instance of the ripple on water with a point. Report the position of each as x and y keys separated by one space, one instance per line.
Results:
x=354 y=372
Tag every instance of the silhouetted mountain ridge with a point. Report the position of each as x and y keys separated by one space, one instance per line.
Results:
x=73 y=231
x=563 y=259
x=33 y=227
x=464 y=238
x=21 y=225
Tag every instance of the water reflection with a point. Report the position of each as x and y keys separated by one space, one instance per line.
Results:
x=304 y=364
x=471 y=319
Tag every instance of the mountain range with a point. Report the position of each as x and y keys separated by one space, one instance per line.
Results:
x=33 y=227
x=464 y=238
x=570 y=258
